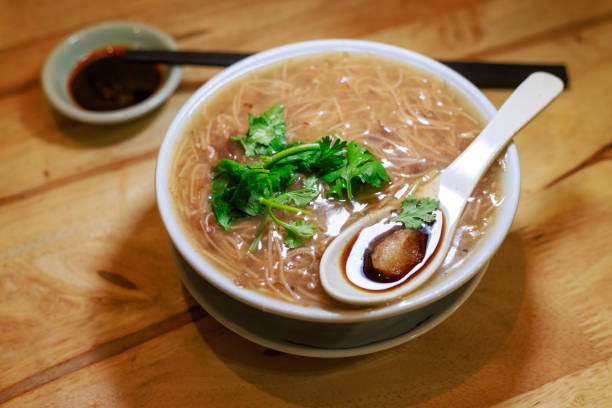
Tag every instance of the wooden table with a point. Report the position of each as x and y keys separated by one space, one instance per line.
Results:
x=92 y=310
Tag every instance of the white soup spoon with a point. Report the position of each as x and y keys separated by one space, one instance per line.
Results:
x=341 y=268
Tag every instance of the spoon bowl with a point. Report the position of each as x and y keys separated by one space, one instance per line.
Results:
x=343 y=277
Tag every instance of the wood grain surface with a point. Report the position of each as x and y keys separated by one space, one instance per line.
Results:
x=93 y=312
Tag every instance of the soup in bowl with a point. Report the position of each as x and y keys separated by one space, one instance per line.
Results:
x=272 y=158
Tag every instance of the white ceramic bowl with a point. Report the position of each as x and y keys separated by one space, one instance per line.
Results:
x=434 y=290
x=62 y=60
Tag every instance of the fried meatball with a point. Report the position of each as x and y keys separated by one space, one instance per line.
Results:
x=399 y=252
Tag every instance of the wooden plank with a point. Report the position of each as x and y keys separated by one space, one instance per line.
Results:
x=526 y=325
x=50 y=150
x=572 y=129
x=492 y=27
x=94 y=314
x=237 y=24
x=97 y=269
x=38 y=129
x=584 y=388
x=32 y=20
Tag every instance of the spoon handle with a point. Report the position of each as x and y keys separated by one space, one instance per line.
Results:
x=534 y=93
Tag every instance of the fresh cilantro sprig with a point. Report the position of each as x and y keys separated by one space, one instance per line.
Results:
x=241 y=190
x=296 y=232
x=301 y=198
x=346 y=167
x=415 y=213
x=256 y=189
x=327 y=154
x=361 y=166
x=266 y=134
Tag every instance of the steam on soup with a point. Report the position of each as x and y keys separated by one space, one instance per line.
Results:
x=411 y=122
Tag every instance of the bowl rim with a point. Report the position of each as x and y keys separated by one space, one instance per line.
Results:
x=485 y=250
x=73 y=111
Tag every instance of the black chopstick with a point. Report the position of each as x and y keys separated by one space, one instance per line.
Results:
x=481 y=74
x=218 y=59
x=503 y=75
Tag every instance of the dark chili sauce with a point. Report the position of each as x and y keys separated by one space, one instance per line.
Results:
x=104 y=81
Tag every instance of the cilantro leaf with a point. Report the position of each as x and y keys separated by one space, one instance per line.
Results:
x=331 y=154
x=298 y=232
x=233 y=169
x=259 y=233
x=219 y=185
x=304 y=159
x=311 y=182
x=246 y=190
x=337 y=188
x=301 y=198
x=266 y=134
x=323 y=156
x=281 y=177
x=415 y=213
x=222 y=211
x=372 y=173
x=361 y=166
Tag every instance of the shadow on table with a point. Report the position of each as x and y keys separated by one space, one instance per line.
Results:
x=52 y=127
x=84 y=135
x=440 y=364
x=77 y=135
x=468 y=358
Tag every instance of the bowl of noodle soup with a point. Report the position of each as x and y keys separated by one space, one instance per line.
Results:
x=412 y=113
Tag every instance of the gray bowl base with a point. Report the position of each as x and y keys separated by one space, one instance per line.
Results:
x=318 y=339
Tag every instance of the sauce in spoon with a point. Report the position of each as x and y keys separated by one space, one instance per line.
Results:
x=402 y=259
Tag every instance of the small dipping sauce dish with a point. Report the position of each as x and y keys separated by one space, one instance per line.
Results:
x=85 y=78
